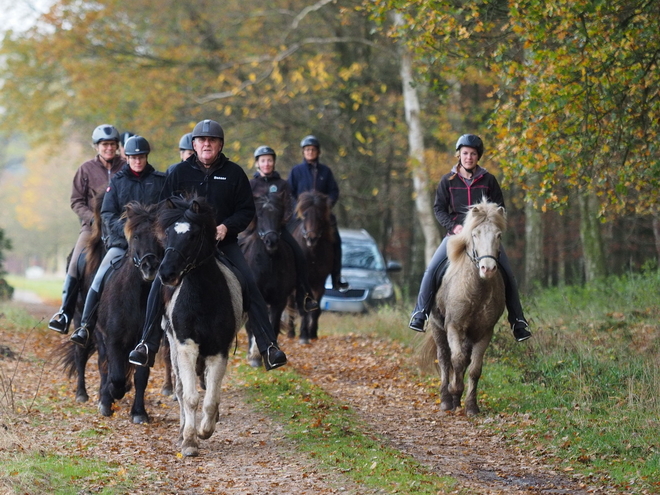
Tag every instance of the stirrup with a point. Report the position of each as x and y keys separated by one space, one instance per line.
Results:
x=139 y=357
x=61 y=324
x=275 y=363
x=310 y=304
x=417 y=321
x=81 y=336
x=521 y=330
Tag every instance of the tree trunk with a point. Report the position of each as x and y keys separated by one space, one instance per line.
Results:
x=423 y=204
x=533 y=247
x=592 y=243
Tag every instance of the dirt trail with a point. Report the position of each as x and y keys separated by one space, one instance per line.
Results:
x=248 y=454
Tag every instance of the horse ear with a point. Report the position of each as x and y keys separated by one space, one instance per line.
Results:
x=169 y=204
x=195 y=206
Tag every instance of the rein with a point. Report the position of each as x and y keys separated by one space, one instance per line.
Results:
x=191 y=261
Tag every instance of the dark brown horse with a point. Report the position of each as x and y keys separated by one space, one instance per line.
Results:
x=313 y=231
x=471 y=298
x=271 y=261
x=122 y=311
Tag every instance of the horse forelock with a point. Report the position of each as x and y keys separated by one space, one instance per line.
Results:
x=479 y=214
x=180 y=209
x=318 y=204
x=137 y=215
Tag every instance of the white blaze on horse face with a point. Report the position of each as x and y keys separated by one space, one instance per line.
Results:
x=486 y=241
x=181 y=227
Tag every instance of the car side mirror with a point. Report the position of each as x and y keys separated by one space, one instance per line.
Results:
x=393 y=266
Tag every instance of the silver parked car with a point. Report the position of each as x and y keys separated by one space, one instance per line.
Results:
x=365 y=270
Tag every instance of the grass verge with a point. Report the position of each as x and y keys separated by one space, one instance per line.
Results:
x=335 y=438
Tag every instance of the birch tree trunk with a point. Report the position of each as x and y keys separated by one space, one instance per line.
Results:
x=592 y=243
x=533 y=246
x=423 y=204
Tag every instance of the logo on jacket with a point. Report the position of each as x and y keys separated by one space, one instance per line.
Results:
x=272 y=188
x=219 y=178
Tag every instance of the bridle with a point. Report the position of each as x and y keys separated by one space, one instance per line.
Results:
x=191 y=261
x=475 y=258
x=139 y=261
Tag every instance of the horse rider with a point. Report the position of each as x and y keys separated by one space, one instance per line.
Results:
x=465 y=185
x=136 y=181
x=312 y=175
x=185 y=146
x=267 y=180
x=209 y=173
x=91 y=178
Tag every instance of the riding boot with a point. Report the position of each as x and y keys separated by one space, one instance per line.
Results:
x=335 y=274
x=60 y=321
x=88 y=320
x=431 y=282
x=516 y=316
x=145 y=352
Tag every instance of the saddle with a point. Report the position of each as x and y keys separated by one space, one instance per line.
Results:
x=245 y=291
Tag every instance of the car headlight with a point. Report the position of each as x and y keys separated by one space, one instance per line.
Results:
x=383 y=291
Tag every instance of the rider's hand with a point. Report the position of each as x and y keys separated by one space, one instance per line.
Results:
x=220 y=232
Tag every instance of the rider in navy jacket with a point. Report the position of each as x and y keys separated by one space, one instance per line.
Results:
x=312 y=175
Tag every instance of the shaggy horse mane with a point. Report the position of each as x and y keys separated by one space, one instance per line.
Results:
x=135 y=213
x=314 y=200
x=478 y=214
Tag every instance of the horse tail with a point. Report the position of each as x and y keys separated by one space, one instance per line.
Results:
x=67 y=355
x=427 y=355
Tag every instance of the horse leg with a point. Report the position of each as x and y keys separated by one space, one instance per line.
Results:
x=444 y=366
x=168 y=386
x=253 y=356
x=80 y=358
x=189 y=399
x=291 y=318
x=140 y=379
x=305 y=323
x=459 y=361
x=216 y=366
x=105 y=399
x=178 y=386
x=314 y=326
x=474 y=373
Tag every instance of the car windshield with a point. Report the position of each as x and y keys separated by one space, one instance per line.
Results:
x=361 y=255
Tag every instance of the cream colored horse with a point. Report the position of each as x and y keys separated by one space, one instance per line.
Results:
x=471 y=298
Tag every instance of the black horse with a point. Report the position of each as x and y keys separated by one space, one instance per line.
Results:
x=122 y=311
x=72 y=357
x=313 y=231
x=204 y=311
x=271 y=261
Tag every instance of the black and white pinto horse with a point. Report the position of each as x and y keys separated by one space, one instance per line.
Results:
x=122 y=311
x=271 y=261
x=204 y=312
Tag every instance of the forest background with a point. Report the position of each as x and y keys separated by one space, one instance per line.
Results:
x=565 y=94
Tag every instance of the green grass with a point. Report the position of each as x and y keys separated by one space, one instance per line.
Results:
x=334 y=437
x=38 y=472
x=49 y=289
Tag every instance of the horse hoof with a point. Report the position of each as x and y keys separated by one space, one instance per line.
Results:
x=291 y=335
x=255 y=363
x=167 y=391
x=304 y=341
x=139 y=419
x=444 y=406
x=190 y=452
x=82 y=398
x=105 y=410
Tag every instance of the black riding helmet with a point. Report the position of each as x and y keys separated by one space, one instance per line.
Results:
x=264 y=150
x=136 y=145
x=471 y=141
x=125 y=136
x=310 y=141
x=208 y=128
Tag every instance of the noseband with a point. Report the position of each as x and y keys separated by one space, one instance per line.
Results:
x=475 y=258
x=139 y=261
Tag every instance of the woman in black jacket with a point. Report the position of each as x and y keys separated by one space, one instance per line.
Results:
x=466 y=185
x=136 y=181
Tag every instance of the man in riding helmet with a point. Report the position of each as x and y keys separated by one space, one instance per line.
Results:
x=209 y=173
x=466 y=185
x=312 y=175
x=91 y=178
x=136 y=181
x=265 y=181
